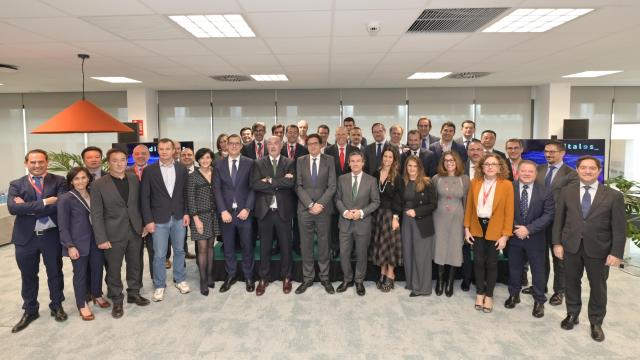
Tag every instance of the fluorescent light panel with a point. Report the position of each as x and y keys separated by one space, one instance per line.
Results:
x=214 y=26
x=116 y=79
x=428 y=75
x=592 y=74
x=535 y=20
x=275 y=77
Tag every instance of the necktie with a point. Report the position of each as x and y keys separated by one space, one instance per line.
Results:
x=292 y=152
x=234 y=172
x=466 y=144
x=415 y=153
x=379 y=152
x=514 y=171
x=524 y=203
x=38 y=183
x=341 y=158
x=314 y=172
x=586 y=201
x=424 y=143
x=547 y=179
x=354 y=188
x=259 y=150
x=274 y=164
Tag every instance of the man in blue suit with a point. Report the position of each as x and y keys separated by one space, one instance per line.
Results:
x=235 y=200
x=32 y=199
x=534 y=211
x=446 y=143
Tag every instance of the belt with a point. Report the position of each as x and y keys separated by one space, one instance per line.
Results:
x=484 y=221
x=273 y=209
x=42 y=232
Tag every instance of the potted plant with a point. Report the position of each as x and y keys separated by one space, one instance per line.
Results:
x=630 y=190
x=62 y=162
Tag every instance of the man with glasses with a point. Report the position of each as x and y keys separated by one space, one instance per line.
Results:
x=256 y=148
x=514 y=155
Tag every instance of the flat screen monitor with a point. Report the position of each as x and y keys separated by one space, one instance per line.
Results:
x=153 y=150
x=534 y=151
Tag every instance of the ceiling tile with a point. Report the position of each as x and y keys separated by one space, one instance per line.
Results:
x=236 y=46
x=284 y=5
x=174 y=47
x=99 y=8
x=464 y=56
x=362 y=44
x=392 y=22
x=299 y=45
x=262 y=59
x=408 y=59
x=146 y=27
x=12 y=35
x=427 y=42
x=192 y=7
x=290 y=24
x=50 y=50
x=379 y=4
x=27 y=8
x=114 y=48
x=63 y=29
x=492 y=41
x=357 y=58
x=303 y=59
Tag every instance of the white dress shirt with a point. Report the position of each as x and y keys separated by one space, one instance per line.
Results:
x=485 y=208
x=168 y=176
x=357 y=179
x=274 y=203
x=529 y=192
x=557 y=166
x=592 y=190
x=311 y=157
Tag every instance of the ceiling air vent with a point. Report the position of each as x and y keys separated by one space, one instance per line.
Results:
x=468 y=75
x=230 y=77
x=454 y=20
x=6 y=68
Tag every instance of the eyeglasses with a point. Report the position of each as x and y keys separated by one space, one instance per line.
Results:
x=490 y=165
x=450 y=161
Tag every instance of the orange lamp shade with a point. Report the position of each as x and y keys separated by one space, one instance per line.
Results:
x=81 y=117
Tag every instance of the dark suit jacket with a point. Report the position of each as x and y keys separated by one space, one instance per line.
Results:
x=280 y=187
x=334 y=151
x=370 y=159
x=564 y=176
x=111 y=216
x=74 y=223
x=322 y=193
x=436 y=148
x=226 y=191
x=27 y=213
x=426 y=202
x=363 y=142
x=460 y=140
x=431 y=139
x=249 y=150
x=156 y=204
x=603 y=232
x=300 y=150
x=428 y=161
x=539 y=215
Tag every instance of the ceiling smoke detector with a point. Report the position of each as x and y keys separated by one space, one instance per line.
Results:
x=230 y=77
x=468 y=75
x=7 y=68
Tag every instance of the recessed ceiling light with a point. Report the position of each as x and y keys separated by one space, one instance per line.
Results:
x=276 y=77
x=535 y=20
x=116 y=79
x=428 y=75
x=591 y=74
x=213 y=26
x=1 y=84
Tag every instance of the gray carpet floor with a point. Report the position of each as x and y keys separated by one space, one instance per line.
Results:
x=238 y=325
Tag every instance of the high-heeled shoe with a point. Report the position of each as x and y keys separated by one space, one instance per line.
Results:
x=479 y=306
x=100 y=301
x=487 y=309
x=204 y=288
x=86 y=317
x=388 y=284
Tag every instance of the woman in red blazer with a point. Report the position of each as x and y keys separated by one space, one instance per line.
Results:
x=488 y=223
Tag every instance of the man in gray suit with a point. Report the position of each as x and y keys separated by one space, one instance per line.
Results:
x=315 y=187
x=589 y=232
x=356 y=199
x=118 y=229
x=555 y=175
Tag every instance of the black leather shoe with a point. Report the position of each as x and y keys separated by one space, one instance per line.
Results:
x=528 y=290
x=117 y=311
x=465 y=285
x=596 y=333
x=344 y=286
x=569 y=322
x=512 y=301
x=414 y=294
x=59 y=314
x=328 y=287
x=556 y=299
x=538 y=310
x=360 y=289
x=24 y=322
x=227 y=284
x=211 y=285
x=138 y=300
x=250 y=285
x=303 y=287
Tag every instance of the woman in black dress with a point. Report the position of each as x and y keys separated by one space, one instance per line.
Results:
x=387 y=244
x=201 y=204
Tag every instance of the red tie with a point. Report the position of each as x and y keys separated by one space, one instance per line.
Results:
x=292 y=151
x=341 y=158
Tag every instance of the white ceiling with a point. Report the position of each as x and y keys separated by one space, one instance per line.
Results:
x=317 y=43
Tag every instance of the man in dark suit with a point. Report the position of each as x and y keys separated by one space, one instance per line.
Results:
x=424 y=127
x=356 y=140
x=323 y=132
x=534 y=209
x=357 y=198
x=118 y=228
x=256 y=149
x=446 y=143
x=373 y=152
x=292 y=149
x=315 y=186
x=514 y=149
x=428 y=158
x=272 y=179
x=92 y=159
x=235 y=200
x=589 y=232
x=32 y=199
x=555 y=175
x=468 y=129
x=349 y=123
x=164 y=212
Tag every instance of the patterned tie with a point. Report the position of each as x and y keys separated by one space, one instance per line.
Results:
x=341 y=158
x=354 y=188
x=234 y=172
x=524 y=203
x=259 y=150
x=292 y=152
x=586 y=201
x=38 y=183
x=314 y=172
x=547 y=179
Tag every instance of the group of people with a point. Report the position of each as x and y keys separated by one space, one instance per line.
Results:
x=453 y=202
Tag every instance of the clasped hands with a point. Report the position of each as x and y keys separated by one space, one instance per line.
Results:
x=353 y=214
x=268 y=178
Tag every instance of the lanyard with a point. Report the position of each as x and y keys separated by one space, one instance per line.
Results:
x=138 y=171
x=485 y=194
x=35 y=187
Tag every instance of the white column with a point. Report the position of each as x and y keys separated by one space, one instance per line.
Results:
x=552 y=106
x=143 y=105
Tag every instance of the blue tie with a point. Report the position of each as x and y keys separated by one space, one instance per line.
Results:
x=234 y=172
x=586 y=201
x=38 y=182
x=524 y=203
x=424 y=143
x=379 y=152
x=547 y=179
x=314 y=172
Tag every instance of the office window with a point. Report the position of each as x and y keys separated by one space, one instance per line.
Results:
x=505 y=110
x=316 y=106
x=440 y=105
x=186 y=116
x=369 y=106
x=233 y=110
x=11 y=136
